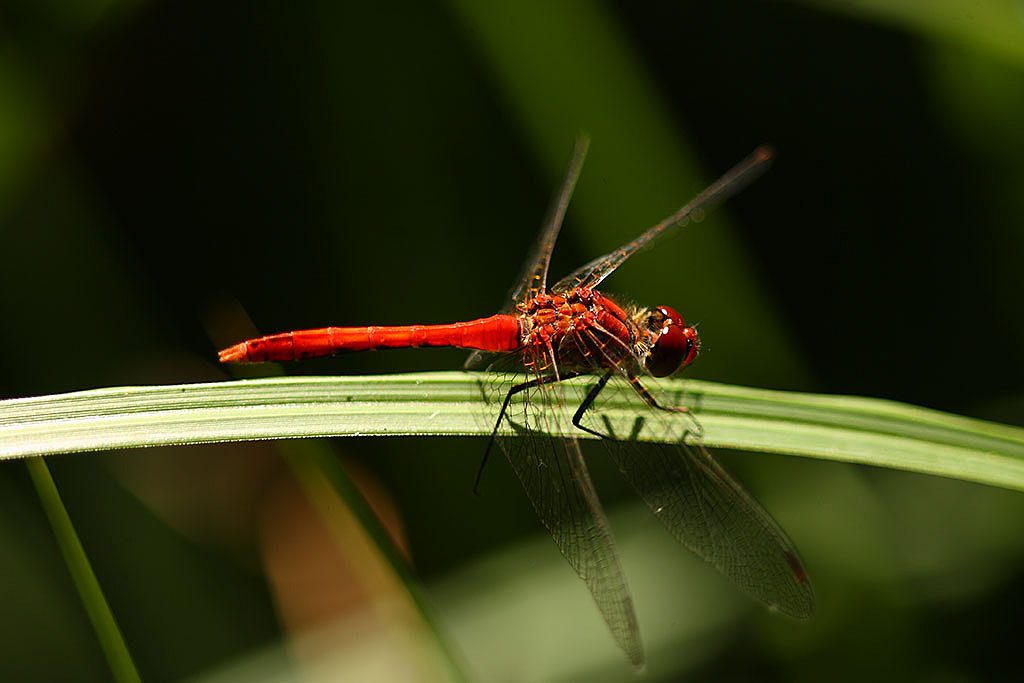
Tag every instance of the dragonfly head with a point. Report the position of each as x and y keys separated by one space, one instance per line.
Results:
x=675 y=344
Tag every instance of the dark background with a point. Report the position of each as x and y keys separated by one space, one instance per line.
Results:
x=167 y=169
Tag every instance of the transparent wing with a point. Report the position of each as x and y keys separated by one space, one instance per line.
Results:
x=558 y=485
x=703 y=507
x=593 y=273
x=533 y=280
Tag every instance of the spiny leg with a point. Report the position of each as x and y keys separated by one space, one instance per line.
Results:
x=589 y=401
x=591 y=345
x=634 y=381
x=535 y=382
x=649 y=399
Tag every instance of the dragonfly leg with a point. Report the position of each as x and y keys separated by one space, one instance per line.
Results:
x=649 y=399
x=537 y=381
x=589 y=401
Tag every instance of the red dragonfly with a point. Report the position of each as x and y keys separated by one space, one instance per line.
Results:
x=547 y=336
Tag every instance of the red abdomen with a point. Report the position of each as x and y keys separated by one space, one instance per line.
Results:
x=496 y=333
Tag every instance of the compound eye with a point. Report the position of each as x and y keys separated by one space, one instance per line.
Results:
x=677 y=344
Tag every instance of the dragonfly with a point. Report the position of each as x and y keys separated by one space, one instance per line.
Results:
x=538 y=349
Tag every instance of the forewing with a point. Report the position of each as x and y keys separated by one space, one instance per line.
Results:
x=533 y=280
x=593 y=273
x=558 y=485
x=700 y=504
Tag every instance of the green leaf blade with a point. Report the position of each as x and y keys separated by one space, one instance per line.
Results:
x=850 y=429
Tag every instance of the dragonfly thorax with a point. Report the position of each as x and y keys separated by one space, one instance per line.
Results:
x=582 y=326
x=587 y=330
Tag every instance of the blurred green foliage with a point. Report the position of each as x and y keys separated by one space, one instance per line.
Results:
x=361 y=163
